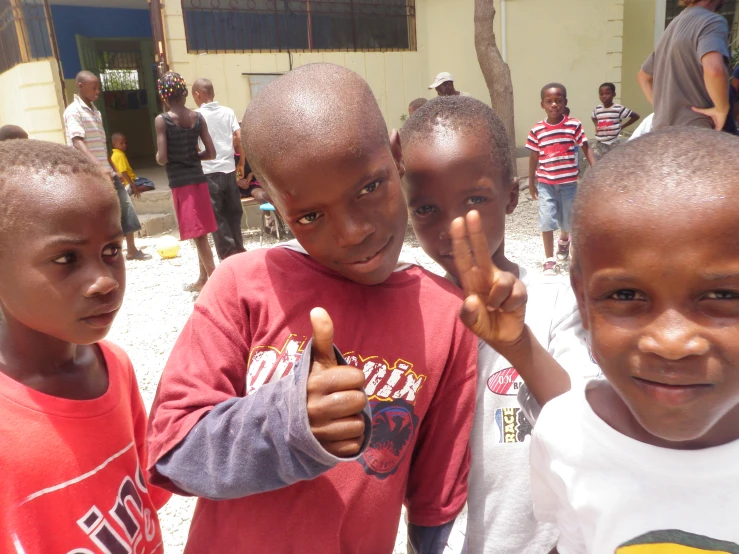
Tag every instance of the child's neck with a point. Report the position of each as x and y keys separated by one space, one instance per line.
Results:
x=503 y=263
x=556 y=121
x=607 y=105
x=50 y=365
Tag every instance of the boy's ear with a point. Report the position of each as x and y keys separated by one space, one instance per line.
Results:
x=579 y=290
x=565 y=101
x=513 y=197
x=397 y=151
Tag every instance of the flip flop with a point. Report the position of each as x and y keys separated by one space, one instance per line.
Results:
x=139 y=255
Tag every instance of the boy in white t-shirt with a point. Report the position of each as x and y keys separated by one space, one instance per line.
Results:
x=457 y=159
x=649 y=456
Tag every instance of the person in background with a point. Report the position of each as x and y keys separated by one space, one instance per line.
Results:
x=415 y=104
x=178 y=132
x=84 y=129
x=645 y=460
x=11 y=132
x=135 y=185
x=553 y=169
x=686 y=78
x=444 y=85
x=608 y=119
x=222 y=173
x=73 y=422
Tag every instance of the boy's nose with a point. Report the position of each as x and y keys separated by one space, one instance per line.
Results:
x=353 y=231
x=102 y=285
x=672 y=336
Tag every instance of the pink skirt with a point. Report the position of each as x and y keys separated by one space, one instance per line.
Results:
x=194 y=211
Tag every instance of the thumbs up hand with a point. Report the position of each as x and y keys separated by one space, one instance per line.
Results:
x=495 y=301
x=336 y=395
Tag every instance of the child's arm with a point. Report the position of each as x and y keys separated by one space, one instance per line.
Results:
x=495 y=307
x=533 y=165
x=588 y=153
x=239 y=149
x=210 y=151
x=207 y=438
x=127 y=180
x=633 y=118
x=161 y=129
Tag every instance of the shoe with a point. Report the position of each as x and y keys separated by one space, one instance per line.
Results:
x=550 y=267
x=563 y=252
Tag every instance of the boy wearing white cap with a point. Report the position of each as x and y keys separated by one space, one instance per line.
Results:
x=444 y=85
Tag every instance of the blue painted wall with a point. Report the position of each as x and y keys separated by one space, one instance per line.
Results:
x=94 y=23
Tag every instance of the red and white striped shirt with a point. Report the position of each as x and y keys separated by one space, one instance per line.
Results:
x=609 y=122
x=555 y=145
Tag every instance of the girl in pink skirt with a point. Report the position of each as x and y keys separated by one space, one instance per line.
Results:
x=178 y=131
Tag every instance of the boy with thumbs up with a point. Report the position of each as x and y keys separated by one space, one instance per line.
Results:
x=458 y=164
x=305 y=430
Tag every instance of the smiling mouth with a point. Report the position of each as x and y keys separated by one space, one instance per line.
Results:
x=373 y=256
x=672 y=394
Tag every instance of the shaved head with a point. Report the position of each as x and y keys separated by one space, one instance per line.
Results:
x=668 y=170
x=315 y=108
x=204 y=86
x=86 y=76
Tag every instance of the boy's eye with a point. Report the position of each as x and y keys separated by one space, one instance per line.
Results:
x=66 y=259
x=474 y=200
x=309 y=218
x=627 y=295
x=722 y=295
x=372 y=187
x=425 y=210
x=112 y=250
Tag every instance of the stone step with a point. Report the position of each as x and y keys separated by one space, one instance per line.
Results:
x=154 y=202
x=155 y=224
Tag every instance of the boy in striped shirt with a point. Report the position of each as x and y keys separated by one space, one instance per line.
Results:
x=553 y=171
x=608 y=119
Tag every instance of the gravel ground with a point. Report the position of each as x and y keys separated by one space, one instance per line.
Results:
x=156 y=308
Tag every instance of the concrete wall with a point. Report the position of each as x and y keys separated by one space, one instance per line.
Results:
x=638 y=44
x=577 y=42
x=33 y=100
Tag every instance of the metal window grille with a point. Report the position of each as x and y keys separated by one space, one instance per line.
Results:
x=299 y=25
x=729 y=9
x=120 y=70
x=24 y=32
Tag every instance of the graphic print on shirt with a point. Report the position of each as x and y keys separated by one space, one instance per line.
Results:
x=121 y=525
x=511 y=426
x=676 y=542
x=392 y=389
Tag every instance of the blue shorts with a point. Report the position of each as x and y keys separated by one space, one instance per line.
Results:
x=555 y=206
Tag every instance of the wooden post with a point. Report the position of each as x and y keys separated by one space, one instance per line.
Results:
x=20 y=29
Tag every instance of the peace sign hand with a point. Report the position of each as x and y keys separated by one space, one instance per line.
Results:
x=495 y=301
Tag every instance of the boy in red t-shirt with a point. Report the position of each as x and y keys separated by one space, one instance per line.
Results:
x=73 y=422
x=299 y=446
x=553 y=171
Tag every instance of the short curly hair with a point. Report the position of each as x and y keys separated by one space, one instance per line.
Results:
x=466 y=115
x=24 y=159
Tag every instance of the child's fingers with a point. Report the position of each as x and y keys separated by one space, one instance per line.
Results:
x=502 y=288
x=462 y=255
x=323 y=338
x=518 y=297
x=479 y=244
x=472 y=315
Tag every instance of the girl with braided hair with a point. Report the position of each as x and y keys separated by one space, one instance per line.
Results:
x=178 y=131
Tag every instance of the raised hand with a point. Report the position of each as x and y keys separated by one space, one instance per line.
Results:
x=336 y=395
x=495 y=301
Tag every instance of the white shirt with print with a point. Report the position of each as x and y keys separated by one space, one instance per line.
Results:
x=610 y=493
x=500 y=516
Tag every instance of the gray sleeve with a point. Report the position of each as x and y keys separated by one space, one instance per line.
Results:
x=254 y=444
x=648 y=66
x=714 y=38
x=428 y=540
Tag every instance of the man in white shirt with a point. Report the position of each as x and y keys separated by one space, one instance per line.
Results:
x=222 y=172
x=444 y=85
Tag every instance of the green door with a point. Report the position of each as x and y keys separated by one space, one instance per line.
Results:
x=89 y=61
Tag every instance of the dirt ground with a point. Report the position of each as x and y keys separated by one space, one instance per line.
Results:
x=156 y=308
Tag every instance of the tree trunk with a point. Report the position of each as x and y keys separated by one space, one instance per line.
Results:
x=496 y=72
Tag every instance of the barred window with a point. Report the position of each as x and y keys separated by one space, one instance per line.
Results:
x=299 y=25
